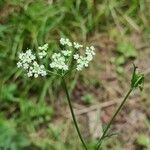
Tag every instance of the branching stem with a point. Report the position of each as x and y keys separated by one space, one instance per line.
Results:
x=112 y=119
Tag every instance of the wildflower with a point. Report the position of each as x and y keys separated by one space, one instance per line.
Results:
x=83 y=61
x=37 y=70
x=25 y=59
x=76 y=56
x=62 y=41
x=77 y=45
x=19 y=64
x=66 y=52
x=28 y=63
x=58 y=62
x=25 y=66
x=42 y=54
x=43 y=50
x=90 y=51
x=66 y=41
x=44 y=47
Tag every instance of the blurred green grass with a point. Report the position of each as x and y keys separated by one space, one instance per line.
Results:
x=28 y=24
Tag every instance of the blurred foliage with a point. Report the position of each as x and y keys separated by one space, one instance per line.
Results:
x=125 y=51
x=143 y=141
x=88 y=98
x=10 y=138
x=25 y=24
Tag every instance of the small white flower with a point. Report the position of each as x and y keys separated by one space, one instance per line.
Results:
x=65 y=67
x=81 y=63
x=32 y=57
x=56 y=55
x=66 y=52
x=43 y=73
x=43 y=50
x=35 y=75
x=30 y=74
x=84 y=61
x=62 y=41
x=26 y=57
x=38 y=70
x=25 y=66
x=21 y=56
x=59 y=61
x=92 y=48
x=44 y=47
x=19 y=64
x=42 y=54
x=66 y=41
x=76 y=56
x=89 y=57
x=77 y=45
x=79 y=67
x=52 y=65
x=28 y=63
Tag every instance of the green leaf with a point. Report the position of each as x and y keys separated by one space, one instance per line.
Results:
x=143 y=140
x=120 y=60
x=11 y=138
x=127 y=49
x=137 y=80
x=88 y=98
x=8 y=92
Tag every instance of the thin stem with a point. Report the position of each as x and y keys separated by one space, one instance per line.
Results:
x=72 y=112
x=112 y=119
x=53 y=73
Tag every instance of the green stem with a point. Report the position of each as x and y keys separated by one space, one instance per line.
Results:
x=72 y=112
x=112 y=119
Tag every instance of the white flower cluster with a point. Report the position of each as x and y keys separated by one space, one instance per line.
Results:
x=36 y=70
x=59 y=61
x=43 y=50
x=77 y=45
x=66 y=41
x=27 y=61
x=66 y=53
x=83 y=61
